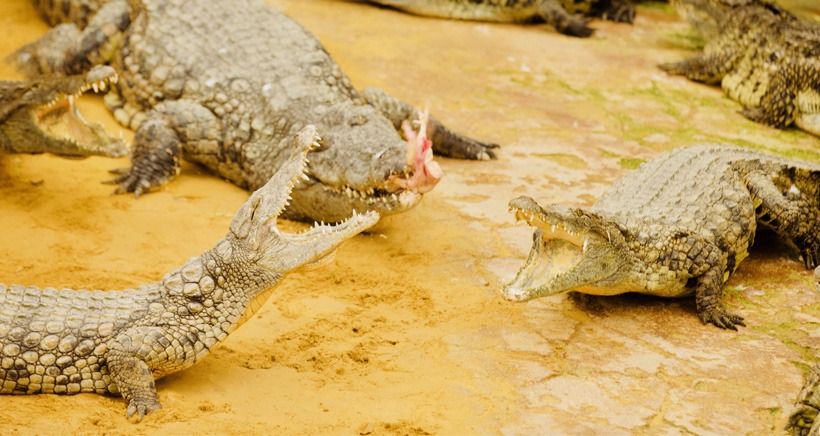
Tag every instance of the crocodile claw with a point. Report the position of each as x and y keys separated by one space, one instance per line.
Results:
x=142 y=408
x=721 y=318
x=576 y=26
x=802 y=419
x=131 y=181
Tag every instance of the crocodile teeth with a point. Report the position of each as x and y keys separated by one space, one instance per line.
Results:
x=102 y=86
x=553 y=228
x=584 y=249
x=95 y=87
x=71 y=100
x=305 y=177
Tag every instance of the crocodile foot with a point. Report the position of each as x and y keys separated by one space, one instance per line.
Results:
x=142 y=407
x=620 y=12
x=720 y=318
x=757 y=114
x=155 y=159
x=576 y=26
x=803 y=421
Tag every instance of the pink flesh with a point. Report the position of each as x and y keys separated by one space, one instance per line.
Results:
x=426 y=172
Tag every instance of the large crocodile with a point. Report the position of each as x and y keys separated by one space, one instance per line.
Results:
x=119 y=342
x=803 y=420
x=678 y=225
x=40 y=116
x=764 y=58
x=225 y=84
x=559 y=14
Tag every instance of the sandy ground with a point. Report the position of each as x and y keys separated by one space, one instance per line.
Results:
x=406 y=333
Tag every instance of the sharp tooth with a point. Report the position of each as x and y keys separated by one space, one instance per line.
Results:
x=115 y=79
x=95 y=87
x=71 y=100
x=553 y=228
x=315 y=224
x=584 y=249
x=102 y=86
x=305 y=177
x=395 y=197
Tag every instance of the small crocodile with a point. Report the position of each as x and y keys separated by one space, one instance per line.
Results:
x=764 y=58
x=803 y=420
x=119 y=342
x=225 y=84
x=40 y=116
x=678 y=225
x=559 y=14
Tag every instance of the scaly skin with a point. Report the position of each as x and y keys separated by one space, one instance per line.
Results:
x=678 y=225
x=556 y=13
x=119 y=342
x=764 y=58
x=803 y=420
x=225 y=84
x=39 y=116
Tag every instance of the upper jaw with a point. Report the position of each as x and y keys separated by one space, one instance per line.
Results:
x=53 y=112
x=559 y=222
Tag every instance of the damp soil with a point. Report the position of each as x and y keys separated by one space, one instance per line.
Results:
x=405 y=333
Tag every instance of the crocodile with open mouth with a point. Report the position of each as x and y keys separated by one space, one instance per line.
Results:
x=118 y=342
x=680 y=224
x=39 y=116
x=225 y=84
x=763 y=57
x=559 y=14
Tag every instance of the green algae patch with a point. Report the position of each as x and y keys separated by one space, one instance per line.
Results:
x=565 y=160
x=684 y=40
x=629 y=163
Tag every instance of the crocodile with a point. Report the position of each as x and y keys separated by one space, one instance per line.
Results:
x=225 y=84
x=678 y=225
x=563 y=15
x=763 y=57
x=40 y=116
x=803 y=419
x=118 y=342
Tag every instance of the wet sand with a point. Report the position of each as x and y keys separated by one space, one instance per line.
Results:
x=405 y=333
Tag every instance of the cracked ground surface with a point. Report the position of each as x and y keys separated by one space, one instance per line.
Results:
x=406 y=332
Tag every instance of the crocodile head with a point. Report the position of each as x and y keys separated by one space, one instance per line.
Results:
x=572 y=250
x=363 y=164
x=40 y=116
x=255 y=223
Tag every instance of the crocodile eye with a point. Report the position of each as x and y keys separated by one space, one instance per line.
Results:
x=357 y=120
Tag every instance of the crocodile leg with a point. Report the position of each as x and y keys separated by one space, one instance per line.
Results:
x=66 y=50
x=709 y=293
x=126 y=360
x=706 y=68
x=156 y=154
x=445 y=141
x=619 y=11
x=793 y=95
x=555 y=15
x=793 y=215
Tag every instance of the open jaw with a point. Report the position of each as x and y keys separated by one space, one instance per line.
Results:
x=54 y=113
x=565 y=254
x=256 y=221
x=393 y=194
